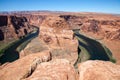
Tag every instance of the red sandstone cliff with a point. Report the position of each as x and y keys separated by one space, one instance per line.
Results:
x=12 y=27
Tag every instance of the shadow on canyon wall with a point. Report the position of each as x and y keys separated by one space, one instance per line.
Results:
x=11 y=54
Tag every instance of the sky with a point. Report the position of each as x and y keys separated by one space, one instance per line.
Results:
x=103 y=6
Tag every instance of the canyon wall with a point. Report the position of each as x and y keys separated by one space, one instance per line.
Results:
x=13 y=27
x=108 y=28
x=19 y=25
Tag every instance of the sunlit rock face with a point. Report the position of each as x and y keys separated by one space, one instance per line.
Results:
x=58 y=69
x=34 y=19
x=98 y=70
x=24 y=67
x=56 y=33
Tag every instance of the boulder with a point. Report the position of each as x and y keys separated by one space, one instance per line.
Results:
x=98 y=70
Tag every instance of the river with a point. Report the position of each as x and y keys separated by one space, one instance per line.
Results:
x=11 y=53
x=90 y=49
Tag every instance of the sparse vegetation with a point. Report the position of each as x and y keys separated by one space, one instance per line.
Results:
x=90 y=49
x=60 y=52
x=4 y=46
x=12 y=48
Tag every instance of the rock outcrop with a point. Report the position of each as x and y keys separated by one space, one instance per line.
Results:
x=98 y=70
x=55 y=33
x=36 y=67
x=21 y=25
x=35 y=20
x=24 y=67
x=59 y=69
x=113 y=35
x=55 y=22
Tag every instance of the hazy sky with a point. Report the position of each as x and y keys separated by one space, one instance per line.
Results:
x=106 y=6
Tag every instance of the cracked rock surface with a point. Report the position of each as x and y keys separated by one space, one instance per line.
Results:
x=98 y=70
x=23 y=67
x=58 y=69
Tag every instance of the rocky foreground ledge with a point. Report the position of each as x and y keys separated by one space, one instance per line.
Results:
x=41 y=66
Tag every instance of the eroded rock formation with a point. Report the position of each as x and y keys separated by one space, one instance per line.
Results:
x=108 y=28
x=59 y=69
x=12 y=27
x=98 y=70
x=89 y=23
x=58 y=36
x=38 y=67
x=24 y=67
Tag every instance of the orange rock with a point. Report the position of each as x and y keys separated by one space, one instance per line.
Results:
x=98 y=70
x=58 y=69
x=23 y=67
x=13 y=27
x=61 y=45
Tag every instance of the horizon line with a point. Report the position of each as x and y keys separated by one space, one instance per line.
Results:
x=56 y=11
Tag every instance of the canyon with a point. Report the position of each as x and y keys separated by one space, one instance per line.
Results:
x=52 y=54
